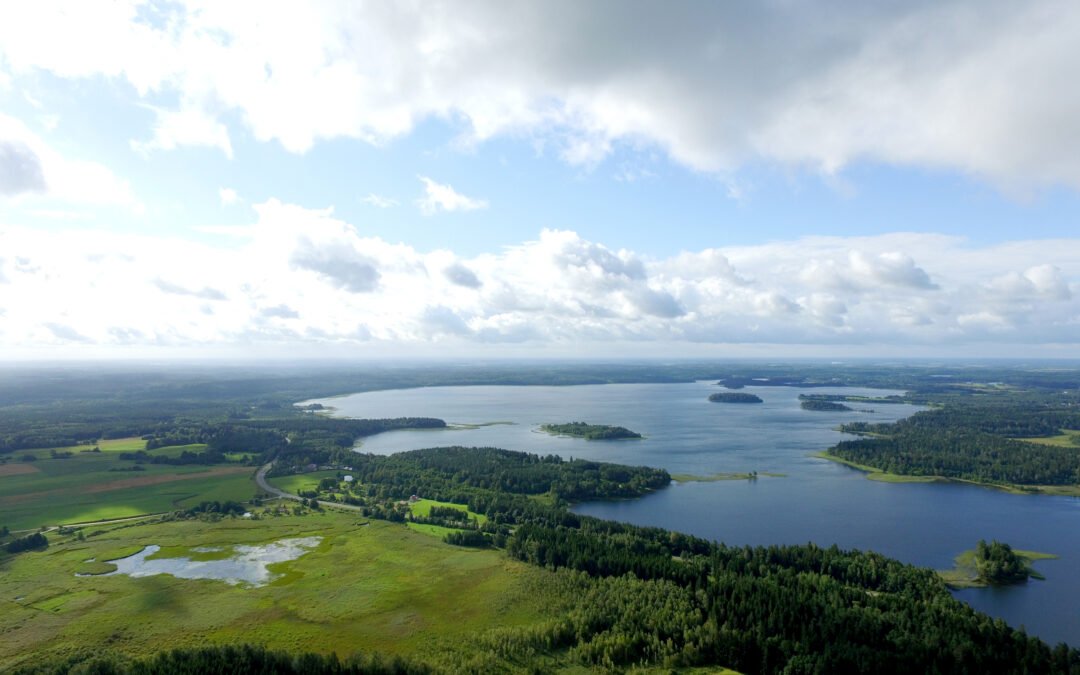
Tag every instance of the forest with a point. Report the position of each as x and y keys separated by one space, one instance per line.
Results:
x=652 y=596
x=734 y=397
x=980 y=439
x=823 y=406
x=997 y=563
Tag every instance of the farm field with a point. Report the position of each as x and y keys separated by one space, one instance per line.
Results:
x=301 y=482
x=366 y=586
x=89 y=486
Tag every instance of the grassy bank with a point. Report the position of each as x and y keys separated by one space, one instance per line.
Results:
x=721 y=476
x=965 y=574
x=873 y=473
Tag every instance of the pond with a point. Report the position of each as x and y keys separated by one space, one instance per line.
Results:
x=249 y=565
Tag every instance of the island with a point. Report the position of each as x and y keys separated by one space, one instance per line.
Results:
x=734 y=397
x=993 y=564
x=590 y=432
x=823 y=406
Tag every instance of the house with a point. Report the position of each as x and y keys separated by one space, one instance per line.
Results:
x=348 y=479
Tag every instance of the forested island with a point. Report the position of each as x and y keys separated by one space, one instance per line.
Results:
x=590 y=432
x=823 y=406
x=993 y=564
x=734 y=397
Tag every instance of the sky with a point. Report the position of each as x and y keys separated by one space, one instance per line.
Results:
x=539 y=179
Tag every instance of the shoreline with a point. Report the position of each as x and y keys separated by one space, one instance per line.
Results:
x=876 y=474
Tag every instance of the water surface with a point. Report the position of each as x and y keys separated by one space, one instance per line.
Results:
x=248 y=564
x=817 y=501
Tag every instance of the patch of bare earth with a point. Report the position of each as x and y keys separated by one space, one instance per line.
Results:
x=141 y=481
x=18 y=469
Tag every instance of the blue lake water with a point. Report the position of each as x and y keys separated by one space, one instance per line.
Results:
x=820 y=501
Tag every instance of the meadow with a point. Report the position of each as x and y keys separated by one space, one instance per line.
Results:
x=368 y=586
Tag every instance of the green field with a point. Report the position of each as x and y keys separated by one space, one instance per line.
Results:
x=82 y=488
x=422 y=508
x=437 y=531
x=1068 y=438
x=368 y=586
x=301 y=482
x=121 y=444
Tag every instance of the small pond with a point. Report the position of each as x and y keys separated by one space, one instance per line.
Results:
x=247 y=564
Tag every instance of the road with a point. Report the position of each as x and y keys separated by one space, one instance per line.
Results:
x=260 y=480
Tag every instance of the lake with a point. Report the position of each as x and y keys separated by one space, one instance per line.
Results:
x=817 y=501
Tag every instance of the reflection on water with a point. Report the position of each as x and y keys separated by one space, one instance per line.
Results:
x=247 y=565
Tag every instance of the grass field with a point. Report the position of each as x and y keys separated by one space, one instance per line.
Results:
x=367 y=586
x=437 y=531
x=301 y=482
x=121 y=444
x=422 y=508
x=1068 y=438
x=82 y=488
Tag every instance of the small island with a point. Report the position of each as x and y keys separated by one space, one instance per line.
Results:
x=993 y=564
x=734 y=397
x=823 y=406
x=590 y=432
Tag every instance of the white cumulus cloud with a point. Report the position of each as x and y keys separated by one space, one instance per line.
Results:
x=443 y=198
x=300 y=279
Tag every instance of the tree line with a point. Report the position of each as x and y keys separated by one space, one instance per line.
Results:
x=648 y=596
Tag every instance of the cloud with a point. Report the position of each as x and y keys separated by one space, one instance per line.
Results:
x=20 y=169
x=280 y=312
x=31 y=169
x=185 y=128
x=438 y=197
x=298 y=279
x=892 y=268
x=462 y=276
x=66 y=333
x=341 y=265
x=229 y=196
x=814 y=84
x=204 y=293
x=379 y=201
